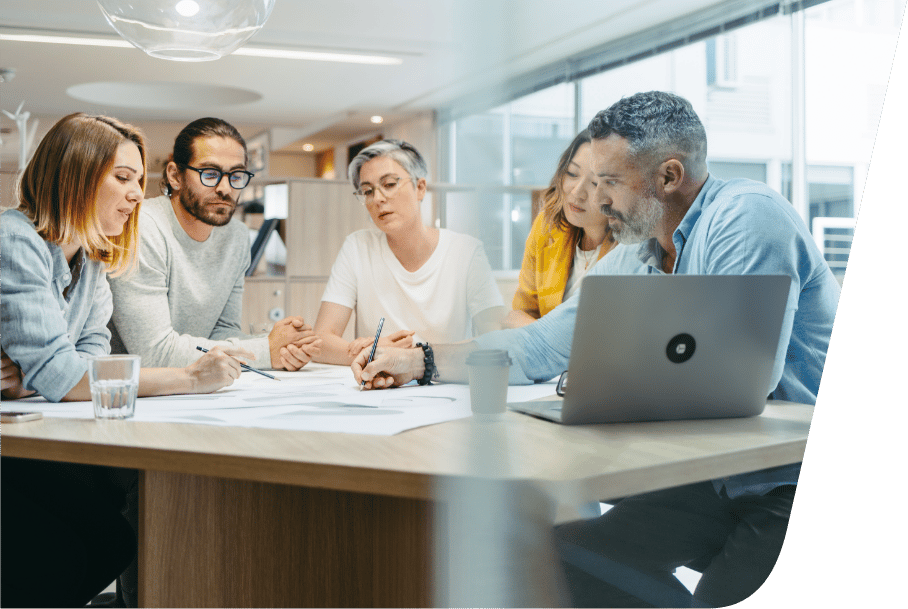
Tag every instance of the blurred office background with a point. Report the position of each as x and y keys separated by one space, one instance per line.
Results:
x=491 y=92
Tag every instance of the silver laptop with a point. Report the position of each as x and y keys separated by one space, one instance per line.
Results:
x=660 y=347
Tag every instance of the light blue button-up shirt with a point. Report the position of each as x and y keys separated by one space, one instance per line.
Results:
x=46 y=333
x=735 y=227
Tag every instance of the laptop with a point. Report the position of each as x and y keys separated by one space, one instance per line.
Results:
x=663 y=347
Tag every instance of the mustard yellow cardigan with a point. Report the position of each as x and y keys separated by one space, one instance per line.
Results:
x=547 y=260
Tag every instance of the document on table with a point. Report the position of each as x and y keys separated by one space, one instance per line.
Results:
x=318 y=397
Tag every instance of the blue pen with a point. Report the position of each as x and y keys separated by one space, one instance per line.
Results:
x=381 y=322
x=244 y=366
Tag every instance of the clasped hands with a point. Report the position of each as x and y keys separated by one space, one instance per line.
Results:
x=292 y=344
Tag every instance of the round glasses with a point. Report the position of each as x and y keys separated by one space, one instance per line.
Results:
x=211 y=177
x=388 y=186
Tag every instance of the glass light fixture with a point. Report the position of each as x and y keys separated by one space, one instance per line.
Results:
x=187 y=30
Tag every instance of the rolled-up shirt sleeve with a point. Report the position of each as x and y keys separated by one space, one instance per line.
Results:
x=540 y=350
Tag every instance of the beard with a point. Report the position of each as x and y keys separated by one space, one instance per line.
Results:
x=640 y=222
x=198 y=208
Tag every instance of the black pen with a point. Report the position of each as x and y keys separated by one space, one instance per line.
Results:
x=381 y=322
x=244 y=366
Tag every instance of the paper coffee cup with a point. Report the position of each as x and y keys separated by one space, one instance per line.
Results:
x=488 y=369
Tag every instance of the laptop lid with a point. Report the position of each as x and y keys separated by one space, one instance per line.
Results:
x=660 y=347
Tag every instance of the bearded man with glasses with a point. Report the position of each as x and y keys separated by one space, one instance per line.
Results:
x=187 y=290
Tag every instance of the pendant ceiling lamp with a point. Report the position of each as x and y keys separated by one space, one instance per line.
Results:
x=187 y=30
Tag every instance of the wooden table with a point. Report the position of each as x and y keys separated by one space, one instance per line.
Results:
x=259 y=517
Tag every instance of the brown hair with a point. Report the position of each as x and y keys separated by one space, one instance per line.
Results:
x=58 y=190
x=554 y=196
x=184 y=144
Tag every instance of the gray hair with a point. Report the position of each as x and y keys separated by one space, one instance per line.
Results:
x=654 y=124
x=405 y=154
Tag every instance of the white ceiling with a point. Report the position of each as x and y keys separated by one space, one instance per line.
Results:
x=449 y=48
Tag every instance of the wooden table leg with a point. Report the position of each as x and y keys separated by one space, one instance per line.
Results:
x=213 y=542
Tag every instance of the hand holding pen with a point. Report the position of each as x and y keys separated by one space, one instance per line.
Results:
x=381 y=322
x=244 y=366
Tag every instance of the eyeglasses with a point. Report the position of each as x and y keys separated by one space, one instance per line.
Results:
x=561 y=387
x=388 y=187
x=211 y=177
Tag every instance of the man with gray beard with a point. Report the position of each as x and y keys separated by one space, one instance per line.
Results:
x=671 y=217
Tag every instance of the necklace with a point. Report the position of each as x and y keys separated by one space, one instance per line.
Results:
x=587 y=257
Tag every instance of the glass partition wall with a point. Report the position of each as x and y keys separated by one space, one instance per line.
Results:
x=791 y=98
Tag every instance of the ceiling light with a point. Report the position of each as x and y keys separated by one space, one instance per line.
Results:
x=272 y=53
x=308 y=147
x=376 y=119
x=317 y=56
x=183 y=32
x=187 y=8
x=90 y=42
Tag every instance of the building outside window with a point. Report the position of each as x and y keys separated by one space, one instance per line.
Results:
x=768 y=108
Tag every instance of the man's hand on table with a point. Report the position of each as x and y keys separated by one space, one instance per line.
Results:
x=392 y=367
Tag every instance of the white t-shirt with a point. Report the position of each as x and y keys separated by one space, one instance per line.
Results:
x=583 y=262
x=438 y=301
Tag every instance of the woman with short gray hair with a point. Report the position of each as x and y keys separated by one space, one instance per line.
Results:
x=429 y=284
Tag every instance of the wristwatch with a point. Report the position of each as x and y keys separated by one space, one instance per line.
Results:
x=429 y=358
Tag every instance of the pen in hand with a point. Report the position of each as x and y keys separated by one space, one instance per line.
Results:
x=381 y=322
x=244 y=366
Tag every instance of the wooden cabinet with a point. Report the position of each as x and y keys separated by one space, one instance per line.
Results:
x=321 y=213
x=263 y=299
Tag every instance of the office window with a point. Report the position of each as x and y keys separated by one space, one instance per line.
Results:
x=744 y=85
x=512 y=149
x=722 y=61
x=726 y=170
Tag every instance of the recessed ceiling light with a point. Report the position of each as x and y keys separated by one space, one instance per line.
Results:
x=317 y=56
x=273 y=53
x=187 y=8
x=92 y=42
x=308 y=147
x=376 y=119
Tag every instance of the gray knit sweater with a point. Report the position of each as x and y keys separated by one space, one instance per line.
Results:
x=184 y=293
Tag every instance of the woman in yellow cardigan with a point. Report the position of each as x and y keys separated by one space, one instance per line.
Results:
x=567 y=238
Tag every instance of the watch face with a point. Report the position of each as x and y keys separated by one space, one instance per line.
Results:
x=681 y=348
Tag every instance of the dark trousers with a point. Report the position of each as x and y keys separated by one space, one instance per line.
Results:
x=639 y=543
x=63 y=537
x=126 y=482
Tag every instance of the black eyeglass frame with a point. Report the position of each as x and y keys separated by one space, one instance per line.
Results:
x=561 y=387
x=249 y=175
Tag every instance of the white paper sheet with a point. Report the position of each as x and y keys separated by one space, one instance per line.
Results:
x=317 y=398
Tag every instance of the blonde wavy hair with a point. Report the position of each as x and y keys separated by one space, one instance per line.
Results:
x=58 y=190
